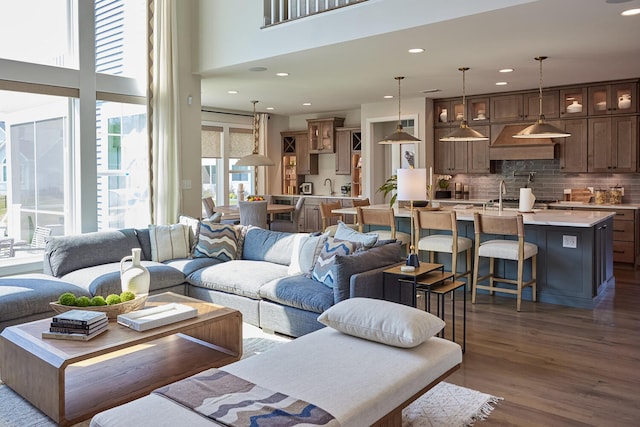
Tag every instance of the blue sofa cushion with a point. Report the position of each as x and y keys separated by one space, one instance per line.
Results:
x=188 y=266
x=299 y=292
x=267 y=245
x=105 y=279
x=29 y=294
x=64 y=254
x=347 y=265
x=240 y=277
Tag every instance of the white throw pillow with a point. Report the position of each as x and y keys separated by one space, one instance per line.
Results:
x=169 y=242
x=305 y=255
x=294 y=266
x=382 y=321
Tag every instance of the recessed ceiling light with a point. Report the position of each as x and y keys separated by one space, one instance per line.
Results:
x=282 y=74
x=306 y=104
x=232 y=92
x=258 y=69
x=416 y=50
x=630 y=12
x=506 y=70
x=270 y=108
x=388 y=96
x=501 y=83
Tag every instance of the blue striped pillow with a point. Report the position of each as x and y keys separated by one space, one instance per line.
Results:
x=217 y=240
x=322 y=271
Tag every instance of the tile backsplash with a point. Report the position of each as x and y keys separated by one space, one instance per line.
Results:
x=548 y=181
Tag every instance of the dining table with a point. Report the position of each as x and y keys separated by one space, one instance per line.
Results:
x=232 y=211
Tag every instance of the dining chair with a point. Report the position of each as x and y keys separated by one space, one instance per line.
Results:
x=38 y=240
x=451 y=243
x=328 y=216
x=292 y=225
x=6 y=247
x=253 y=213
x=359 y=202
x=382 y=217
x=511 y=250
x=208 y=206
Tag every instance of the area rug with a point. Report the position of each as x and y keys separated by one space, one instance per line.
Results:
x=446 y=405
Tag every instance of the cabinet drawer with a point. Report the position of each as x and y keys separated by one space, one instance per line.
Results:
x=623 y=251
x=625 y=214
x=623 y=230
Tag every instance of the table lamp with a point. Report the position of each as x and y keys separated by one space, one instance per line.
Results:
x=412 y=185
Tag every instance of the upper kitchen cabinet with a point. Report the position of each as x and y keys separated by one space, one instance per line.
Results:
x=507 y=108
x=573 y=102
x=448 y=112
x=322 y=134
x=346 y=138
x=613 y=144
x=518 y=107
x=572 y=151
x=619 y=98
x=478 y=153
x=296 y=144
x=478 y=110
x=450 y=156
x=550 y=105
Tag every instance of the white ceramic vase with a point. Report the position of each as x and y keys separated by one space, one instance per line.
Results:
x=443 y=116
x=135 y=278
x=624 y=101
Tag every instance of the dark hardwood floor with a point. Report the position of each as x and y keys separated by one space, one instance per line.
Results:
x=554 y=365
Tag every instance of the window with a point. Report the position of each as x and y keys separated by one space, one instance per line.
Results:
x=55 y=23
x=47 y=127
x=123 y=165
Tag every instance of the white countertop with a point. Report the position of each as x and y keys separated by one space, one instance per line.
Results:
x=552 y=217
x=582 y=205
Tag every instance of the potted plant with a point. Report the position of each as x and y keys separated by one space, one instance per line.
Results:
x=390 y=185
x=443 y=191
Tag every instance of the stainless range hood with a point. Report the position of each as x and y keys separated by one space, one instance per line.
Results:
x=506 y=147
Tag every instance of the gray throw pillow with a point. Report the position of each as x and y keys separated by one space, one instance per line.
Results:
x=344 y=232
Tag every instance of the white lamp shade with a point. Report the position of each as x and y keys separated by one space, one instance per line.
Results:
x=412 y=184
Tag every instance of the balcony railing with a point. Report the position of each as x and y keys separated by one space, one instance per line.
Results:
x=280 y=11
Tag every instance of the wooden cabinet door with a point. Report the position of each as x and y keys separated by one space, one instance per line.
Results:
x=613 y=144
x=307 y=163
x=454 y=112
x=572 y=151
x=573 y=102
x=450 y=156
x=624 y=144
x=599 y=145
x=478 y=153
x=550 y=105
x=506 y=108
x=343 y=152
x=312 y=218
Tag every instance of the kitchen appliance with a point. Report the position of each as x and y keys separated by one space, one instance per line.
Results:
x=306 y=188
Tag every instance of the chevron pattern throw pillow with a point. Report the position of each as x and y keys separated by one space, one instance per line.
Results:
x=322 y=271
x=217 y=240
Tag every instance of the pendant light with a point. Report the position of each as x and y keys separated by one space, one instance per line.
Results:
x=399 y=136
x=540 y=129
x=464 y=132
x=255 y=159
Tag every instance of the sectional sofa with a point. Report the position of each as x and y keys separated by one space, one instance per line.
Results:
x=279 y=281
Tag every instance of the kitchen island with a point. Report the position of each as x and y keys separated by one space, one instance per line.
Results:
x=575 y=251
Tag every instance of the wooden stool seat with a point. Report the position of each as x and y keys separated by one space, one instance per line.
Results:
x=513 y=250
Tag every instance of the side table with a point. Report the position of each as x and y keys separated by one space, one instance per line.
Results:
x=397 y=283
x=441 y=290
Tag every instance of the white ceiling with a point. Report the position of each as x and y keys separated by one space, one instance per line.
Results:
x=585 y=40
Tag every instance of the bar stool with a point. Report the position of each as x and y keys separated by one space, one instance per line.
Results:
x=425 y=219
x=515 y=250
x=384 y=217
x=359 y=202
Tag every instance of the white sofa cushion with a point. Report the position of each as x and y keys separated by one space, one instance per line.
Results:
x=382 y=321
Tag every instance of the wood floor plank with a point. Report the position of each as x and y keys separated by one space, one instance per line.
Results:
x=557 y=365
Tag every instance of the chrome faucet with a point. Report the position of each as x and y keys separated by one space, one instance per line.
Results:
x=331 y=193
x=502 y=189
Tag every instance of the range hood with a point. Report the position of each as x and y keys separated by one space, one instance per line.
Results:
x=506 y=147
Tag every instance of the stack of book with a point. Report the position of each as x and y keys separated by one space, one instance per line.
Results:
x=77 y=325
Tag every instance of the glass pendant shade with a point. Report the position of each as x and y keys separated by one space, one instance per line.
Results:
x=540 y=129
x=399 y=136
x=464 y=132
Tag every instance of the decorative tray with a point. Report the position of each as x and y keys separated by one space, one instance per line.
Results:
x=154 y=317
x=112 y=311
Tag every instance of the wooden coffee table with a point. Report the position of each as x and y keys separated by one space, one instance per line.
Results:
x=71 y=381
